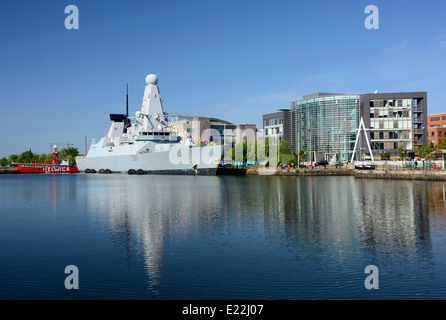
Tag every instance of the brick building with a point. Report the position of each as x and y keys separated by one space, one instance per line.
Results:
x=436 y=124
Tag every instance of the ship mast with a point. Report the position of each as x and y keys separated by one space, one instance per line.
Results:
x=127 y=101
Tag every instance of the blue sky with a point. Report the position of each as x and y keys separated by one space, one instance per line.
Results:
x=234 y=60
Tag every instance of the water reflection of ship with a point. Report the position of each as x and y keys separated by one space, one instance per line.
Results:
x=141 y=216
x=134 y=225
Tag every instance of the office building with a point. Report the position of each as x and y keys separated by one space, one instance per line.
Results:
x=207 y=129
x=436 y=124
x=395 y=119
x=277 y=125
x=326 y=124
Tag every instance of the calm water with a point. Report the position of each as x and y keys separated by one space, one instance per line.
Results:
x=175 y=237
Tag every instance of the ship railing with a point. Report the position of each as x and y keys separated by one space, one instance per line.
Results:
x=37 y=164
x=402 y=165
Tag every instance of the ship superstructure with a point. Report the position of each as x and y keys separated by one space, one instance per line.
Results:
x=147 y=143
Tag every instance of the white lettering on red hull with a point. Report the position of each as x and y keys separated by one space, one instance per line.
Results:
x=54 y=169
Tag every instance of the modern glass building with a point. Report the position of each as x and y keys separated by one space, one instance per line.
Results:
x=325 y=125
x=395 y=119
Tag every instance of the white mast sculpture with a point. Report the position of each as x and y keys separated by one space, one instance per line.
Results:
x=361 y=124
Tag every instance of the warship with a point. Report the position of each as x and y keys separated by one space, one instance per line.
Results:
x=148 y=144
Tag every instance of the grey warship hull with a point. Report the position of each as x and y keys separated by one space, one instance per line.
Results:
x=190 y=162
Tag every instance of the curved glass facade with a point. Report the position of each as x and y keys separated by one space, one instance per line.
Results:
x=325 y=125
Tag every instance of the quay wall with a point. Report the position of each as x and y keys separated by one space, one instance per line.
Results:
x=438 y=175
x=407 y=174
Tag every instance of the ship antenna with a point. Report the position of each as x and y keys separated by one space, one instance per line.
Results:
x=127 y=101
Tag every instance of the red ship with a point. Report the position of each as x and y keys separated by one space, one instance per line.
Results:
x=56 y=166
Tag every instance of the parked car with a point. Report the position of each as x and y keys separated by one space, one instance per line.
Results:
x=322 y=163
x=338 y=163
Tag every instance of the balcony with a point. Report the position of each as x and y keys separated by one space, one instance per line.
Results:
x=418 y=120
x=418 y=132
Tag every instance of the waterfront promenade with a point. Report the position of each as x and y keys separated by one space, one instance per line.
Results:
x=8 y=170
x=377 y=173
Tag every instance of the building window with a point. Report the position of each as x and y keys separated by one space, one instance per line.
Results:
x=432 y=134
x=440 y=133
x=435 y=118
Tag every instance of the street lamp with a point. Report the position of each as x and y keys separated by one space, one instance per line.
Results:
x=328 y=153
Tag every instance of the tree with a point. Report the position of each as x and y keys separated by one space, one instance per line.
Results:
x=383 y=155
x=3 y=162
x=287 y=158
x=285 y=147
x=35 y=157
x=48 y=158
x=267 y=147
x=71 y=160
x=402 y=152
x=252 y=151
x=26 y=157
x=261 y=154
x=424 y=151
x=42 y=158
x=12 y=159
x=441 y=144
x=66 y=152
x=302 y=154
x=286 y=152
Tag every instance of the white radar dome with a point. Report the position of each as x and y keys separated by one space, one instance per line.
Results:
x=152 y=79
x=137 y=114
